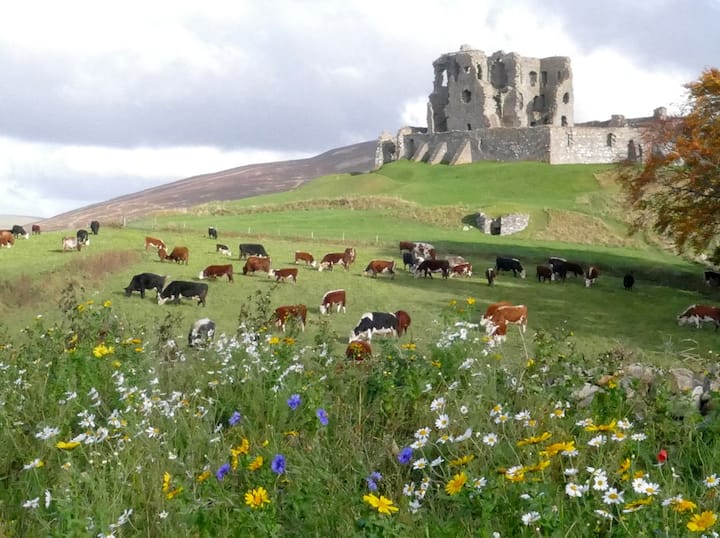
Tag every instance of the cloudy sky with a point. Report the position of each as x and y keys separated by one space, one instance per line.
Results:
x=100 y=99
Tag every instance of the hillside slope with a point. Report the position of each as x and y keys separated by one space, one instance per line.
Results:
x=233 y=184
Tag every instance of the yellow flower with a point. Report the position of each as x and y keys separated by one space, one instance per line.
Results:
x=116 y=364
x=530 y=363
x=204 y=475
x=456 y=484
x=436 y=364
x=409 y=346
x=292 y=433
x=539 y=466
x=256 y=463
x=555 y=448
x=535 y=439
x=637 y=505
x=244 y=448
x=470 y=300
x=173 y=493
x=462 y=461
x=107 y=303
x=453 y=302
x=289 y=340
x=682 y=505
x=700 y=522
x=382 y=503
x=62 y=445
x=80 y=307
x=624 y=466
x=166 y=481
x=609 y=427
x=274 y=340
x=102 y=350
x=257 y=498
x=139 y=350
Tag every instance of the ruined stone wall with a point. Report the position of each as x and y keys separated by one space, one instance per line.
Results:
x=586 y=145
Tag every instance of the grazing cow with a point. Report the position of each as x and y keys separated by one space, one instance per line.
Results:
x=35 y=229
x=379 y=267
x=256 y=263
x=18 y=230
x=212 y=233
x=146 y=281
x=94 y=227
x=591 y=276
x=424 y=250
x=410 y=260
x=358 y=350
x=284 y=274
x=82 y=238
x=428 y=267
x=333 y=258
x=407 y=245
x=491 y=310
x=6 y=238
x=181 y=289
x=712 y=278
x=380 y=323
x=461 y=269
x=496 y=327
x=306 y=257
x=252 y=249
x=201 y=333
x=503 y=263
x=71 y=243
x=178 y=255
x=575 y=268
x=223 y=249
x=628 y=282
x=455 y=260
x=699 y=313
x=217 y=271
x=332 y=298
x=155 y=243
x=490 y=274
x=296 y=311
x=545 y=273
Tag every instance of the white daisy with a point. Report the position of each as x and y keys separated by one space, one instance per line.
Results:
x=530 y=518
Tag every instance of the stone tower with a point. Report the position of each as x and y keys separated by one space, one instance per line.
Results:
x=474 y=91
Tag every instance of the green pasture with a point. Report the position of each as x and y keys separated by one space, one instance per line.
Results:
x=605 y=316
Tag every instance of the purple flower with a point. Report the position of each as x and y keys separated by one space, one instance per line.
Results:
x=372 y=480
x=405 y=455
x=278 y=464
x=235 y=418
x=376 y=476
x=222 y=471
x=294 y=401
x=322 y=416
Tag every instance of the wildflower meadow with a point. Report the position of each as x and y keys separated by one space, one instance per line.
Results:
x=115 y=429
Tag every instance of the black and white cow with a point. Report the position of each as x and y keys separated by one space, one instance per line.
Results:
x=380 y=323
x=180 y=289
x=222 y=249
x=712 y=278
x=212 y=233
x=201 y=332
x=145 y=281
x=95 y=227
x=18 y=230
x=503 y=263
x=252 y=249
x=410 y=260
x=490 y=275
x=82 y=238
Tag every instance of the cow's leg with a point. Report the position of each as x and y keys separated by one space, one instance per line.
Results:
x=142 y=292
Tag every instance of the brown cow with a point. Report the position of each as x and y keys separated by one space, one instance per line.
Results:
x=285 y=274
x=358 y=350
x=428 y=267
x=407 y=245
x=378 y=267
x=155 y=243
x=35 y=229
x=343 y=258
x=178 y=255
x=333 y=298
x=217 y=271
x=699 y=313
x=491 y=310
x=296 y=311
x=461 y=269
x=7 y=239
x=306 y=257
x=591 y=276
x=496 y=327
x=544 y=273
x=256 y=263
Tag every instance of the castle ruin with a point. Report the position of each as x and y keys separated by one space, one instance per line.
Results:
x=506 y=107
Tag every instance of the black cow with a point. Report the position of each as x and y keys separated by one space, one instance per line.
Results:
x=212 y=233
x=380 y=323
x=628 y=282
x=252 y=249
x=712 y=278
x=201 y=332
x=183 y=289
x=490 y=274
x=544 y=273
x=428 y=267
x=145 y=281
x=509 y=264
x=94 y=227
x=18 y=230
x=559 y=267
x=82 y=237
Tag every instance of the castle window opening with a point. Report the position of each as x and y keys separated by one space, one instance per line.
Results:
x=444 y=82
x=466 y=96
x=533 y=78
x=479 y=71
x=467 y=69
x=469 y=127
x=570 y=139
x=559 y=76
x=610 y=140
x=563 y=121
x=544 y=78
x=566 y=98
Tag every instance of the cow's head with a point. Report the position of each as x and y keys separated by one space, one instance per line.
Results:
x=201 y=276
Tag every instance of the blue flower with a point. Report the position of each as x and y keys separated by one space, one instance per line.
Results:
x=278 y=464
x=376 y=476
x=372 y=480
x=405 y=455
x=222 y=471
x=294 y=401
x=235 y=418
x=322 y=416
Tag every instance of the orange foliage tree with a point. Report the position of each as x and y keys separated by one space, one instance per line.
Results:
x=677 y=187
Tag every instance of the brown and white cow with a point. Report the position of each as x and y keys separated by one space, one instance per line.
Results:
x=285 y=274
x=6 y=239
x=491 y=310
x=301 y=256
x=699 y=313
x=544 y=273
x=407 y=245
x=256 y=263
x=358 y=350
x=461 y=269
x=332 y=298
x=380 y=267
x=155 y=243
x=591 y=276
x=496 y=327
x=178 y=255
x=283 y=313
x=430 y=266
x=35 y=229
x=424 y=250
x=217 y=271
x=71 y=243
x=334 y=258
